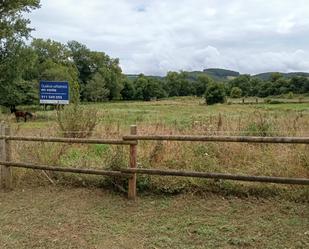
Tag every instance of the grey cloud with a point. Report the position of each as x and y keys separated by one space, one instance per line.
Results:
x=156 y=36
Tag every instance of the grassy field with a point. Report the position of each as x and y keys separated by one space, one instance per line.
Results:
x=55 y=217
x=178 y=116
x=90 y=212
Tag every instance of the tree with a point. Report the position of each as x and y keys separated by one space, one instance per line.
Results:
x=128 y=91
x=185 y=88
x=242 y=82
x=236 y=92
x=215 y=93
x=85 y=64
x=16 y=86
x=172 y=84
x=13 y=24
x=96 y=90
x=153 y=89
x=51 y=50
x=54 y=63
x=265 y=89
x=139 y=84
x=275 y=76
x=147 y=88
x=280 y=86
x=299 y=84
x=113 y=79
x=90 y=62
x=306 y=86
x=15 y=58
x=201 y=84
x=57 y=72
x=178 y=84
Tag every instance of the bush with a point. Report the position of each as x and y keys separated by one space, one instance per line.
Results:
x=290 y=95
x=272 y=101
x=215 y=93
x=236 y=92
x=76 y=121
x=262 y=126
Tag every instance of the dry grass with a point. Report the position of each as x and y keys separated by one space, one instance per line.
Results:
x=211 y=214
x=181 y=116
x=91 y=218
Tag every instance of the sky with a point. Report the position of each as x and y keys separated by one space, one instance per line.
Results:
x=157 y=36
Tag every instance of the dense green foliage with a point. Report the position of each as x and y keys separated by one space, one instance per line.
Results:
x=236 y=92
x=276 y=85
x=99 y=78
x=16 y=86
x=92 y=64
x=215 y=93
x=15 y=58
x=195 y=84
x=13 y=25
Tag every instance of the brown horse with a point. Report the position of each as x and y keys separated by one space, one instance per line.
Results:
x=21 y=114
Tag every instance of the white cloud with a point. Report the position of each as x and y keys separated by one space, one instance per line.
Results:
x=156 y=36
x=286 y=25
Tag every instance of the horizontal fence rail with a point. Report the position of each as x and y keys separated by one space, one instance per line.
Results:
x=268 y=179
x=68 y=140
x=238 y=139
x=62 y=169
x=131 y=172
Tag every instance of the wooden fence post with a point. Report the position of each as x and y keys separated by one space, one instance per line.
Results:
x=1 y=150
x=5 y=155
x=133 y=164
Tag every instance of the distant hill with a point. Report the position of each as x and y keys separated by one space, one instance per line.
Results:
x=131 y=76
x=266 y=76
x=220 y=74
x=134 y=76
x=214 y=73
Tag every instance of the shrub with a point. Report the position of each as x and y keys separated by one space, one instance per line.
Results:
x=261 y=126
x=290 y=95
x=118 y=159
x=236 y=92
x=215 y=93
x=273 y=101
x=76 y=121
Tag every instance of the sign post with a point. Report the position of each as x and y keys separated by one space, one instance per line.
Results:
x=54 y=92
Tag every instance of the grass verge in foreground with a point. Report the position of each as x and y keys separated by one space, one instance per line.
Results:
x=58 y=217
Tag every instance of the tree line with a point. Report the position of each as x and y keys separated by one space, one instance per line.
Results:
x=95 y=76
x=245 y=85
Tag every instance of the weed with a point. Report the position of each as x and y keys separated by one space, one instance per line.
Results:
x=261 y=126
x=76 y=121
x=157 y=153
x=180 y=116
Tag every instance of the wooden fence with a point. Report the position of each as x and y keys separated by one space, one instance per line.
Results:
x=131 y=172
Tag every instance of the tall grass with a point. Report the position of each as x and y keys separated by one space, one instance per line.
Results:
x=181 y=117
x=77 y=121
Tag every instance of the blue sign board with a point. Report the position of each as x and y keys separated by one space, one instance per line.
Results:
x=52 y=92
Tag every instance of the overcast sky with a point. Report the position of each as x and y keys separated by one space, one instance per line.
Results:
x=156 y=36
